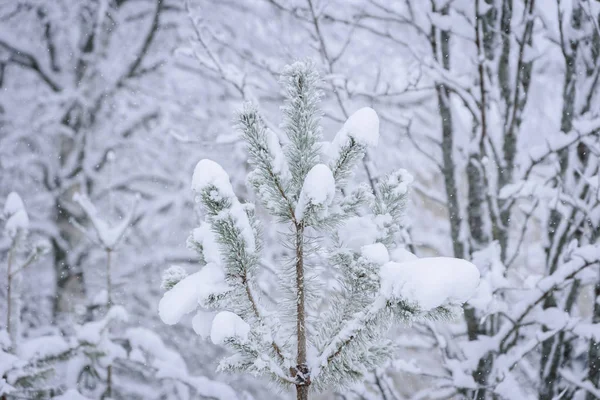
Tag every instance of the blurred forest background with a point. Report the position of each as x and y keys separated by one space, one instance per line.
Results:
x=493 y=106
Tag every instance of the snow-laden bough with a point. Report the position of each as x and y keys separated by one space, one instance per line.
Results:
x=430 y=282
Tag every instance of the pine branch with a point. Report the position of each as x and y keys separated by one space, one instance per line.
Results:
x=269 y=182
x=236 y=234
x=33 y=257
x=301 y=122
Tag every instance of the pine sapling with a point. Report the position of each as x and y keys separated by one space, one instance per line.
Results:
x=107 y=237
x=316 y=336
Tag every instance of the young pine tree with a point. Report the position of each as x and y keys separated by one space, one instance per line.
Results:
x=321 y=333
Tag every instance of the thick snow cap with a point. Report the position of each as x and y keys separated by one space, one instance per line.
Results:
x=16 y=216
x=227 y=325
x=363 y=126
x=209 y=173
x=430 y=282
x=318 y=189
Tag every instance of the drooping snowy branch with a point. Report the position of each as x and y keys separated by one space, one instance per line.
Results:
x=106 y=235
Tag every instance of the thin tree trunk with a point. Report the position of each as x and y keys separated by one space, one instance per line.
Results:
x=594 y=351
x=108 y=279
x=13 y=303
x=301 y=392
x=302 y=374
x=552 y=348
x=108 y=393
x=9 y=290
x=69 y=278
x=441 y=52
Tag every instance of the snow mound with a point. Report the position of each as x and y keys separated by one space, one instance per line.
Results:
x=149 y=343
x=400 y=255
x=13 y=204
x=7 y=362
x=204 y=236
x=318 y=190
x=194 y=289
x=16 y=216
x=362 y=127
x=376 y=253
x=208 y=173
x=430 y=282
x=227 y=325
x=279 y=161
x=180 y=300
x=43 y=347
x=95 y=331
x=212 y=283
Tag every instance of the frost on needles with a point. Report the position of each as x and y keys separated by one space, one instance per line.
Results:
x=315 y=336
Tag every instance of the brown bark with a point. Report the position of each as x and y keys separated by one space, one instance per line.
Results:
x=301 y=392
x=301 y=372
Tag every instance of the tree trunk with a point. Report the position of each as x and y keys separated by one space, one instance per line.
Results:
x=441 y=52
x=108 y=280
x=594 y=351
x=302 y=374
x=552 y=348
x=8 y=288
x=69 y=278
x=301 y=392
x=108 y=305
